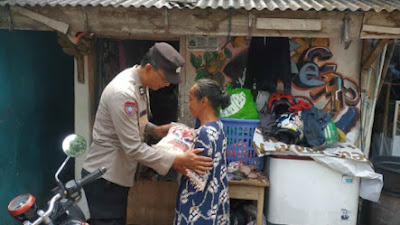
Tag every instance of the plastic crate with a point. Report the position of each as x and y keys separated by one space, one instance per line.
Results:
x=239 y=134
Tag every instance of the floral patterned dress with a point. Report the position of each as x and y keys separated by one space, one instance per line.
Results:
x=210 y=206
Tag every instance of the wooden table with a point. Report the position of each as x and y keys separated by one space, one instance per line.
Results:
x=249 y=189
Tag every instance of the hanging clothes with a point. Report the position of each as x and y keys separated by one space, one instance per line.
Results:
x=268 y=62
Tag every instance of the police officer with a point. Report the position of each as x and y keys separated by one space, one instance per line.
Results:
x=118 y=133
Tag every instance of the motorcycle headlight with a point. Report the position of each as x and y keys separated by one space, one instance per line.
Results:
x=23 y=207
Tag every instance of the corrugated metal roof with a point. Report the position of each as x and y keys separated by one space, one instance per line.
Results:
x=341 y=5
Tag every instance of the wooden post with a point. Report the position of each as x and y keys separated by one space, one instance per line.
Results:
x=375 y=53
x=183 y=99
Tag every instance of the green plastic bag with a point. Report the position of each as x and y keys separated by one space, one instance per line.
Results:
x=242 y=104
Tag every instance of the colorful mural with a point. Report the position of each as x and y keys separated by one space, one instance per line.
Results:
x=318 y=81
x=323 y=73
x=211 y=64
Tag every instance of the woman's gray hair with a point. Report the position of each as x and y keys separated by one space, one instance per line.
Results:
x=213 y=91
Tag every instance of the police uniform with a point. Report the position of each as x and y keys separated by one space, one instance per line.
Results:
x=118 y=144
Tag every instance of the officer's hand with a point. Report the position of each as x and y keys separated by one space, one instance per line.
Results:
x=182 y=170
x=190 y=160
x=162 y=130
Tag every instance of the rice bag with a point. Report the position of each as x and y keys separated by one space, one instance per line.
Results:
x=181 y=138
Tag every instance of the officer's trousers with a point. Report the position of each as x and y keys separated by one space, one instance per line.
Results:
x=107 y=202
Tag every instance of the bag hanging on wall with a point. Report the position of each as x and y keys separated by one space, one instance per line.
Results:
x=242 y=104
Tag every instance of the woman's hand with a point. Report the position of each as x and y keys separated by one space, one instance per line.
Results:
x=190 y=160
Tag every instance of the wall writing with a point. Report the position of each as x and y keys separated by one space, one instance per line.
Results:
x=318 y=80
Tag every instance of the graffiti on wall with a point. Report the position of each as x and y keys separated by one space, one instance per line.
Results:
x=317 y=77
x=226 y=65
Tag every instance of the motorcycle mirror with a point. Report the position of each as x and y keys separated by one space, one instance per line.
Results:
x=74 y=145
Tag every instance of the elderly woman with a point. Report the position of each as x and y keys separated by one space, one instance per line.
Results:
x=210 y=206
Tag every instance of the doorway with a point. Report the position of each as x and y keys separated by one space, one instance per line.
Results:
x=117 y=55
x=154 y=195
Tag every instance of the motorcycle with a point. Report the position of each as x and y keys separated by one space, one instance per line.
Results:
x=62 y=209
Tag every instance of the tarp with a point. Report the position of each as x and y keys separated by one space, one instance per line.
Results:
x=343 y=157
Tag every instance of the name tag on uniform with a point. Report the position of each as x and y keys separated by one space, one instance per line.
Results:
x=141 y=90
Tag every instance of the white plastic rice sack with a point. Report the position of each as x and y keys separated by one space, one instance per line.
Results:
x=180 y=138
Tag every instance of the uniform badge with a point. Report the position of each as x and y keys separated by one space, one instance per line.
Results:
x=143 y=120
x=130 y=108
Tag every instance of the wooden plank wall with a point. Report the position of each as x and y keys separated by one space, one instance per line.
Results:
x=152 y=203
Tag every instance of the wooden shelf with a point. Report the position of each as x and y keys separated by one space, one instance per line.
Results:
x=250 y=189
x=153 y=202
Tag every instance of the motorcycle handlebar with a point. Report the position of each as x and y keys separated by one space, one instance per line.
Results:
x=79 y=184
x=45 y=215
x=91 y=177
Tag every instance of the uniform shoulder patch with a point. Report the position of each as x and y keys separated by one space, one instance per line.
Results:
x=130 y=108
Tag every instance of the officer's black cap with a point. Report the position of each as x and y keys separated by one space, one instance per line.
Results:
x=169 y=60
